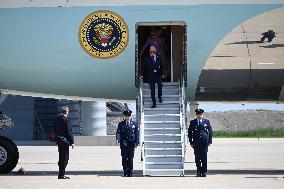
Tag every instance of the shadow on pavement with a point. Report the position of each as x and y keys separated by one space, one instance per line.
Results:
x=243 y=42
x=139 y=173
x=273 y=46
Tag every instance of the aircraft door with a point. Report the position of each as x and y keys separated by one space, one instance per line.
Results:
x=178 y=52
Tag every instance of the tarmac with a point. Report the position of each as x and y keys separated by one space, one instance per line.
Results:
x=232 y=163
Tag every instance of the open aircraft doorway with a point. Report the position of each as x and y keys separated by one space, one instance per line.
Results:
x=170 y=40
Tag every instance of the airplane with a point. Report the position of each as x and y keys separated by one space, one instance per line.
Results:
x=90 y=50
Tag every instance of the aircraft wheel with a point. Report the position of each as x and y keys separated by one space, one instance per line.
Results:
x=9 y=155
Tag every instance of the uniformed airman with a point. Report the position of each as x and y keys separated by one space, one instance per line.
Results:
x=200 y=137
x=128 y=136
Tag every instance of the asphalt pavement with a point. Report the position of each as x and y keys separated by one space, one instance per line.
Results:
x=232 y=163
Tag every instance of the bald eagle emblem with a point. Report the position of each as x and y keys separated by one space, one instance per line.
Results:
x=103 y=34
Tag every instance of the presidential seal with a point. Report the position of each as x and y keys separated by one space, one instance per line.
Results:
x=103 y=34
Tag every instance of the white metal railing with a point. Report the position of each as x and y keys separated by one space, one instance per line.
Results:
x=184 y=112
x=183 y=104
x=181 y=122
x=141 y=111
x=141 y=121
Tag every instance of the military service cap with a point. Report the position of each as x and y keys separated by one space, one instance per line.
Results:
x=199 y=111
x=127 y=112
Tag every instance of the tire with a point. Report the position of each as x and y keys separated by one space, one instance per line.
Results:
x=9 y=155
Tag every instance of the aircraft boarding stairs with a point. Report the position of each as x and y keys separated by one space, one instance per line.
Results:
x=163 y=130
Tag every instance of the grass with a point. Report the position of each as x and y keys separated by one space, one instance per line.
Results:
x=264 y=133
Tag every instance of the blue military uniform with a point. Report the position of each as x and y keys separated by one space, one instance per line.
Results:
x=128 y=136
x=270 y=34
x=64 y=139
x=153 y=69
x=200 y=136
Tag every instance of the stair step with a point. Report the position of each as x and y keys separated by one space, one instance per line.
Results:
x=158 y=172
x=162 y=156
x=158 y=105
x=159 y=158
x=165 y=135
x=165 y=99
x=162 y=131
x=159 y=129
x=162 y=126
x=166 y=87
x=165 y=169
x=166 y=127
x=164 y=96
x=162 y=145
x=163 y=166
x=148 y=118
x=164 y=102
x=163 y=148
x=158 y=114
x=174 y=91
x=160 y=153
x=164 y=163
x=164 y=84
x=164 y=90
x=160 y=109
x=163 y=138
x=163 y=122
x=164 y=142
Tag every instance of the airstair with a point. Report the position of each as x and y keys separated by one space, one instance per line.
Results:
x=163 y=130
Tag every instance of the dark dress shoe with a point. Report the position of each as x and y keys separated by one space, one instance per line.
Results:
x=198 y=174
x=203 y=175
x=154 y=106
x=63 y=177
x=160 y=100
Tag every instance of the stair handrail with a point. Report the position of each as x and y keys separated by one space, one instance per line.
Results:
x=184 y=109
x=141 y=111
x=183 y=104
x=181 y=122
x=141 y=121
